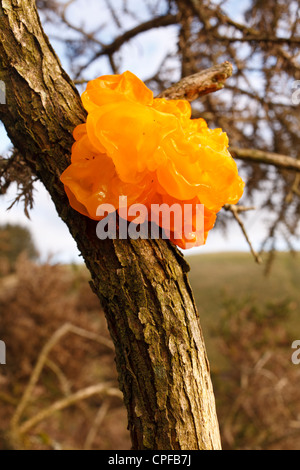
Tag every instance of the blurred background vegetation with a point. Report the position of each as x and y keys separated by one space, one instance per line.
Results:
x=249 y=323
x=47 y=399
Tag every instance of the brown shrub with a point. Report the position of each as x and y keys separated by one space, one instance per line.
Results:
x=258 y=395
x=34 y=303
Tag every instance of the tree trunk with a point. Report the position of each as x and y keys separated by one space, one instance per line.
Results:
x=142 y=284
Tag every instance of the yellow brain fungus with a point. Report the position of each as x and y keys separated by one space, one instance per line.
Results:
x=151 y=151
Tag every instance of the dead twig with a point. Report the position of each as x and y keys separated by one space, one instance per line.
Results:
x=268 y=158
x=63 y=381
x=235 y=210
x=199 y=84
x=100 y=416
x=104 y=388
x=43 y=357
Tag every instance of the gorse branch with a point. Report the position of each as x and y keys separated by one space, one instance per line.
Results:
x=199 y=84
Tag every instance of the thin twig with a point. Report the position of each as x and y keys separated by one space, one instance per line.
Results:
x=81 y=82
x=113 y=13
x=64 y=383
x=100 y=416
x=6 y=398
x=104 y=388
x=295 y=190
x=273 y=40
x=269 y=158
x=240 y=208
x=235 y=212
x=62 y=331
x=109 y=49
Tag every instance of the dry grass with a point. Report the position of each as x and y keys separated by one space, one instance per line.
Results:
x=35 y=303
x=59 y=389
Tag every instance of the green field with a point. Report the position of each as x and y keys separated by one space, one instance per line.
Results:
x=215 y=277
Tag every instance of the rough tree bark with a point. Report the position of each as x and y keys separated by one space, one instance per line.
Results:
x=142 y=285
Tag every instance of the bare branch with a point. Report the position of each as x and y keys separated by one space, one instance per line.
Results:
x=295 y=189
x=112 y=11
x=199 y=84
x=239 y=208
x=235 y=212
x=109 y=49
x=268 y=158
x=62 y=331
x=104 y=388
x=64 y=383
x=257 y=38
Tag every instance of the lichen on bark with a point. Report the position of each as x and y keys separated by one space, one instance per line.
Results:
x=142 y=284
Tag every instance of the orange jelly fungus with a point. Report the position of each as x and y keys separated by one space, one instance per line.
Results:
x=149 y=150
